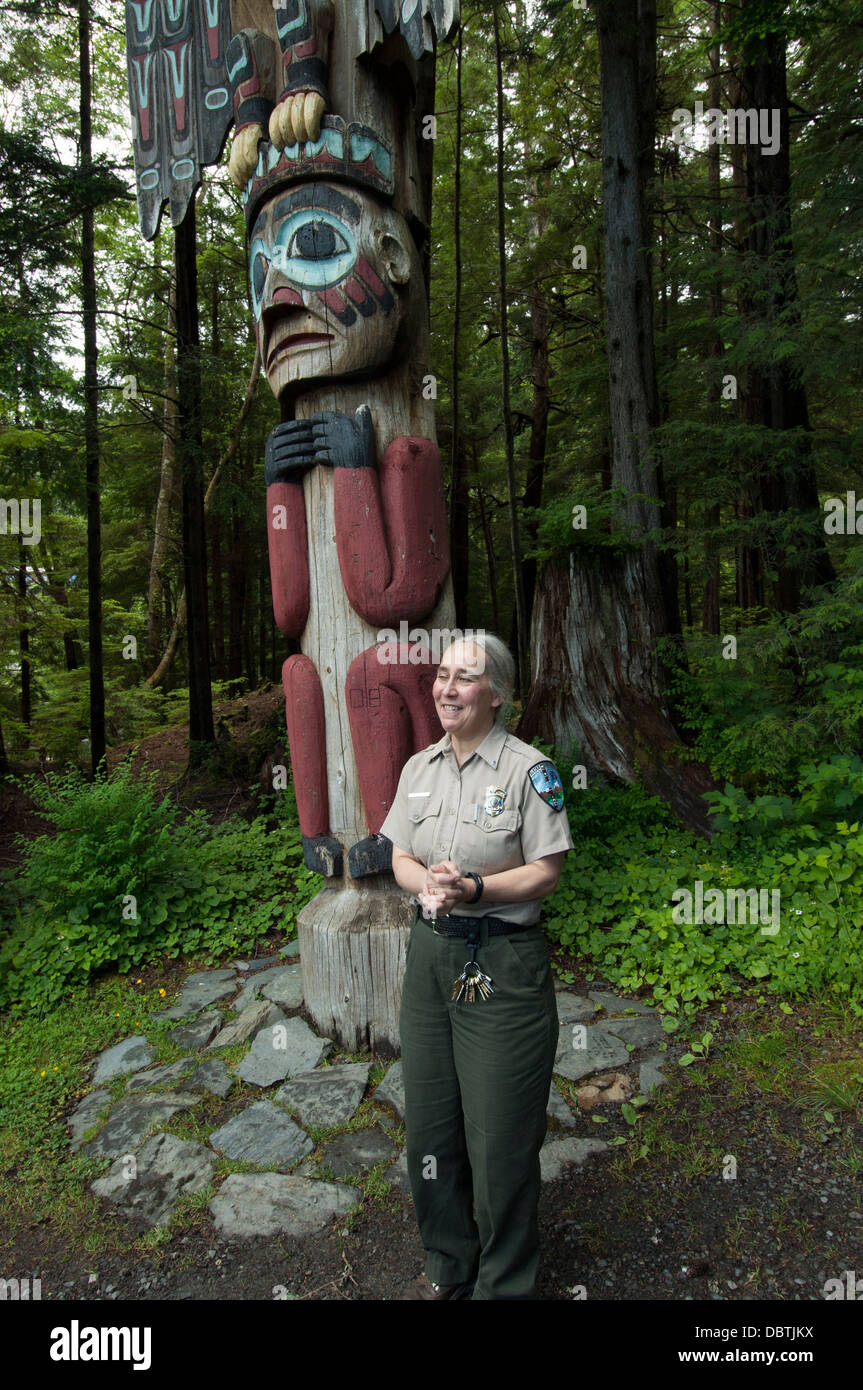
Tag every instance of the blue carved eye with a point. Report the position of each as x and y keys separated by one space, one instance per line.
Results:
x=314 y=249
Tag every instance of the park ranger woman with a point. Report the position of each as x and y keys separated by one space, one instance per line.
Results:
x=479 y=832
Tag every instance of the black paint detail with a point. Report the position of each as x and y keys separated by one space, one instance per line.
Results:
x=317 y=196
x=373 y=855
x=323 y=855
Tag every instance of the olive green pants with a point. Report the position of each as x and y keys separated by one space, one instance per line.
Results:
x=476 y=1080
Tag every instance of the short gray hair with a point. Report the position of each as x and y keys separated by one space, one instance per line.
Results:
x=500 y=665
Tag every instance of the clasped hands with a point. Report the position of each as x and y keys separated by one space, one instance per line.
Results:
x=444 y=888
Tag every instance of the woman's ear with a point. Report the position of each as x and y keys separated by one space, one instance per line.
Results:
x=395 y=257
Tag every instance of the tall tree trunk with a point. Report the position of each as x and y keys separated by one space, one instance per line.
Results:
x=509 y=436
x=178 y=627
x=91 y=408
x=596 y=675
x=459 y=519
x=162 y=528
x=774 y=393
x=24 y=640
x=710 y=590
x=201 y=730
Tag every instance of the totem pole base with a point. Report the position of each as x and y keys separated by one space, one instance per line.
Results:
x=352 y=948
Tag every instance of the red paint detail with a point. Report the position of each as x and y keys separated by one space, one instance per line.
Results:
x=179 y=103
x=304 y=716
x=304 y=49
x=289 y=564
x=284 y=295
x=391 y=533
x=354 y=290
x=333 y=300
x=249 y=88
x=392 y=715
x=213 y=42
x=375 y=284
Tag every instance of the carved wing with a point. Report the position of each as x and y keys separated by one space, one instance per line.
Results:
x=179 y=99
x=421 y=22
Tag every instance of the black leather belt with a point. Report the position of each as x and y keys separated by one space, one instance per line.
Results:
x=451 y=925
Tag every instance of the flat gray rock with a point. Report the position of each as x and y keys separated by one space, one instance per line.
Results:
x=129 y=1055
x=91 y=1109
x=247 y=996
x=649 y=1073
x=329 y=1096
x=614 y=1004
x=202 y=978
x=556 y=1155
x=603 y=1052
x=161 y=1076
x=268 y=1204
x=212 y=1076
x=253 y=966
x=247 y=1024
x=350 y=1154
x=574 y=1008
x=641 y=1032
x=291 y=950
x=197 y=1034
x=205 y=990
x=398 y=1174
x=132 y=1120
x=146 y=1186
x=286 y=988
x=391 y=1090
x=264 y=1135
x=283 y=1050
x=558 y=1109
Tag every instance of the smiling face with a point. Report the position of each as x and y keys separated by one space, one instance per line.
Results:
x=462 y=693
x=332 y=273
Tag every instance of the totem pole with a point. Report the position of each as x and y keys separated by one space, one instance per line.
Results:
x=330 y=98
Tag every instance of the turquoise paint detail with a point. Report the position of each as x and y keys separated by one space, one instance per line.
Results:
x=182 y=169
x=363 y=145
x=217 y=98
x=149 y=179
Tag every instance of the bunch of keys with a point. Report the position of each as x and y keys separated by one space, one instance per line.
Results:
x=471 y=981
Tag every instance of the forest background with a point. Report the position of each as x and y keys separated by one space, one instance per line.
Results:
x=687 y=616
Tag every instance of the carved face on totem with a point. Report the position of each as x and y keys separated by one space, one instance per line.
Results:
x=335 y=275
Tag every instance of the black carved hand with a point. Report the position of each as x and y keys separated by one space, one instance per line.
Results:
x=328 y=437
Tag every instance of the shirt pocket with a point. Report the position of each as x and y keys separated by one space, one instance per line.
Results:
x=488 y=844
x=423 y=815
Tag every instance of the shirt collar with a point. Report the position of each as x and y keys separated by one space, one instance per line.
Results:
x=489 y=750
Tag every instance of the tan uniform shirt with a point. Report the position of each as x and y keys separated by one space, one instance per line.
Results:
x=486 y=815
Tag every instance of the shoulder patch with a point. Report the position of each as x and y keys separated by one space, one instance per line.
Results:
x=545 y=780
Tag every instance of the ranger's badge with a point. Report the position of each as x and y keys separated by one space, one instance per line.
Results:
x=494 y=799
x=545 y=780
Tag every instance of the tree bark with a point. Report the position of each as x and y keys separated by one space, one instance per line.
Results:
x=774 y=395
x=596 y=675
x=201 y=730
x=91 y=409
x=509 y=436
x=178 y=626
x=162 y=528
x=712 y=514
x=459 y=536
